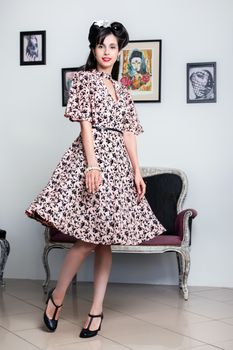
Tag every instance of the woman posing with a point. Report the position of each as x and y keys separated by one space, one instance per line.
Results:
x=96 y=192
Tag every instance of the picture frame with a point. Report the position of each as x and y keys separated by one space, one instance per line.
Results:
x=32 y=47
x=66 y=78
x=201 y=82
x=140 y=69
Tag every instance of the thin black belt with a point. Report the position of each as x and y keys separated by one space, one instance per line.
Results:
x=100 y=128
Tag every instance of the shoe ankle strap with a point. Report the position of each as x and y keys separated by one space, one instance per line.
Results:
x=57 y=306
x=101 y=315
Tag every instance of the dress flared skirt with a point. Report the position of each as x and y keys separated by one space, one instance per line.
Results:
x=111 y=215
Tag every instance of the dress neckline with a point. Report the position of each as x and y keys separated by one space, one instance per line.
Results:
x=108 y=76
x=103 y=74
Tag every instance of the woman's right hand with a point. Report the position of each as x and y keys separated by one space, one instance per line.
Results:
x=93 y=180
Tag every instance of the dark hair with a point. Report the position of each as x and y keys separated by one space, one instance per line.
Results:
x=97 y=36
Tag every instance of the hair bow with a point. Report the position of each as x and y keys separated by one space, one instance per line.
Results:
x=103 y=23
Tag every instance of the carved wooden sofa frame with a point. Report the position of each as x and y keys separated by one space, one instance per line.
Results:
x=179 y=243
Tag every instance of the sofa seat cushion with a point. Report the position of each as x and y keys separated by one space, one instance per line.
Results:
x=57 y=236
x=163 y=240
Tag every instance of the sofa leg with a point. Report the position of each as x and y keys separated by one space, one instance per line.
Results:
x=185 y=256
x=180 y=269
x=46 y=267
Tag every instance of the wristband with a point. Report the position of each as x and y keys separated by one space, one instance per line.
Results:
x=92 y=168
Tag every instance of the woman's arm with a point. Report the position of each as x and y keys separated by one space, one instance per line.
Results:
x=131 y=147
x=93 y=177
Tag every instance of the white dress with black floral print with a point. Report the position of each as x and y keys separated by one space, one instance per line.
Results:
x=111 y=215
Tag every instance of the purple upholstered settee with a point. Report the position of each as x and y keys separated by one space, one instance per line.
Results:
x=166 y=192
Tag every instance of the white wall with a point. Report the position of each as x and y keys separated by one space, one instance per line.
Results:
x=194 y=137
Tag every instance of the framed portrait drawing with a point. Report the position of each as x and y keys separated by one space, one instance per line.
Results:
x=140 y=69
x=33 y=47
x=67 y=77
x=201 y=82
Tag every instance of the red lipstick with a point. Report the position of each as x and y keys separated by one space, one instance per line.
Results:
x=106 y=59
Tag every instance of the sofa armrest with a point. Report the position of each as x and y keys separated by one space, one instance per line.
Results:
x=183 y=225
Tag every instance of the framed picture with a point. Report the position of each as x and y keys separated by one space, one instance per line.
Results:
x=201 y=82
x=66 y=78
x=140 y=69
x=32 y=47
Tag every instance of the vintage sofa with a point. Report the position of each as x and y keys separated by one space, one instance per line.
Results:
x=166 y=192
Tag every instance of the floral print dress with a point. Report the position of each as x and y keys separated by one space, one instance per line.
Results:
x=111 y=215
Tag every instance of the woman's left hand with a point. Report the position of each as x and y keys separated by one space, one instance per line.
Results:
x=140 y=186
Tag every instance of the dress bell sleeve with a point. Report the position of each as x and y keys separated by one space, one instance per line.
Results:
x=79 y=105
x=132 y=122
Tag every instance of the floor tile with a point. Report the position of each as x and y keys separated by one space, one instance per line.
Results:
x=21 y=321
x=10 y=305
x=66 y=333
x=98 y=343
x=218 y=294
x=207 y=347
x=139 y=335
x=10 y=341
x=129 y=304
x=171 y=318
x=226 y=345
x=169 y=295
x=22 y=288
x=209 y=332
x=193 y=289
x=78 y=315
x=227 y=320
x=209 y=308
x=136 y=316
x=39 y=303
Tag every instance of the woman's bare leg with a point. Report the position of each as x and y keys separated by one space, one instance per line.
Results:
x=102 y=268
x=73 y=260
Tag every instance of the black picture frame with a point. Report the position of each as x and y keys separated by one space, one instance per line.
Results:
x=66 y=78
x=140 y=69
x=201 y=82
x=33 y=47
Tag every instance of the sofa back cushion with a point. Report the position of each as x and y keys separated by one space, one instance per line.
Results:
x=162 y=193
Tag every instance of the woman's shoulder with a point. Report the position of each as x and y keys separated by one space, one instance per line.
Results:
x=82 y=76
x=82 y=73
x=87 y=75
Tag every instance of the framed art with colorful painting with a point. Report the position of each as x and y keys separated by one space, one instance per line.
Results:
x=140 y=69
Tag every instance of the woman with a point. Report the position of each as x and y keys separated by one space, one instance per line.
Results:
x=96 y=193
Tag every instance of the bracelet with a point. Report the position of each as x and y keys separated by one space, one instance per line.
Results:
x=92 y=168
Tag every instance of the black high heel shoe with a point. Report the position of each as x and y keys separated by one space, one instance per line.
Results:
x=51 y=324
x=86 y=332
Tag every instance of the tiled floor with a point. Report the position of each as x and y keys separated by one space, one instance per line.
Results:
x=140 y=317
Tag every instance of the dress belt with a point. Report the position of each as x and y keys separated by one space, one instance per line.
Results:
x=100 y=128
